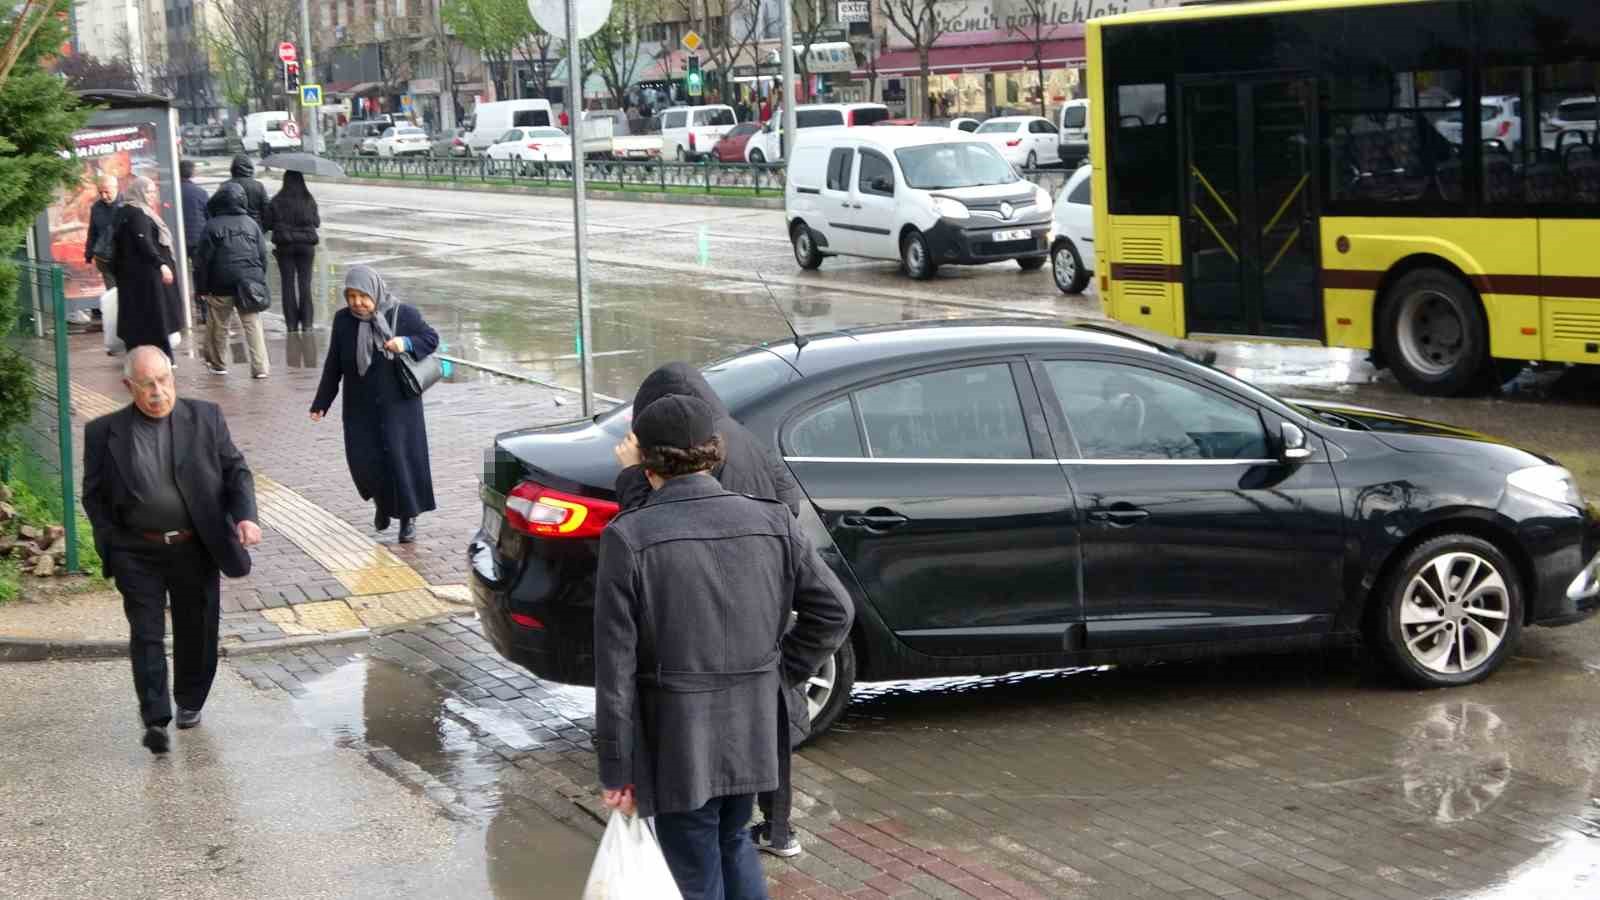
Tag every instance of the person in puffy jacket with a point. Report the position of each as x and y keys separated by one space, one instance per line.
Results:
x=255 y=193
x=293 y=220
x=231 y=250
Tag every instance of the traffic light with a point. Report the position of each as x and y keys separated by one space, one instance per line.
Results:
x=693 y=81
x=291 y=78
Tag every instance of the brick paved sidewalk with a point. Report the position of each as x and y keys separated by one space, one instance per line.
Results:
x=322 y=568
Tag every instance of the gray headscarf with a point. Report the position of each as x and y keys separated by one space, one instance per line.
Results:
x=134 y=195
x=374 y=330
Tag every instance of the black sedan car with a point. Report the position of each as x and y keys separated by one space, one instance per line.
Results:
x=1002 y=497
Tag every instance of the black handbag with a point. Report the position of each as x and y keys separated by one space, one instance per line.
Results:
x=415 y=375
x=251 y=296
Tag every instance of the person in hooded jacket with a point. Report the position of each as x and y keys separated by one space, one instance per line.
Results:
x=231 y=250
x=293 y=219
x=750 y=467
x=255 y=193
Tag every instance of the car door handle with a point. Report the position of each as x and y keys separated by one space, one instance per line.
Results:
x=874 y=520
x=1121 y=515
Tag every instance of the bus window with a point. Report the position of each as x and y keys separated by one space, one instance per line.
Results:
x=1142 y=152
x=1386 y=145
x=1568 y=130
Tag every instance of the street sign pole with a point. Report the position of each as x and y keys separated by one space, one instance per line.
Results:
x=311 y=133
x=579 y=214
x=785 y=11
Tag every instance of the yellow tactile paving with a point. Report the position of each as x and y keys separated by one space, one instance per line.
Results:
x=362 y=565
x=322 y=617
x=392 y=609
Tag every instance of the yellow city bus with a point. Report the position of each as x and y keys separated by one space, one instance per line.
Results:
x=1312 y=170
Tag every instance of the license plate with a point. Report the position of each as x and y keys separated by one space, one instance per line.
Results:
x=1020 y=234
x=491 y=523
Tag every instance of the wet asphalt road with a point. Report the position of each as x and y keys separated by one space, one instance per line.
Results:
x=1304 y=777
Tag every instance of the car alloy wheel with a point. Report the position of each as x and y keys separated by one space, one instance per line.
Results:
x=1033 y=161
x=819 y=687
x=1455 y=613
x=1068 y=267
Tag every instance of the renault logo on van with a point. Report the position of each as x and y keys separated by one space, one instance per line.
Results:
x=1006 y=210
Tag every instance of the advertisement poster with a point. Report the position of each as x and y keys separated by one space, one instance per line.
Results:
x=123 y=152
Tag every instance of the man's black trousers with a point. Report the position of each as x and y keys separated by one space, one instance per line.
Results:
x=147 y=574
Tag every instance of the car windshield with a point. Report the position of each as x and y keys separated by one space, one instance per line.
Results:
x=942 y=166
x=998 y=127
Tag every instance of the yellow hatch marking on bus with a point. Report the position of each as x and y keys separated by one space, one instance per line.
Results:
x=1217 y=234
x=1215 y=196
x=1282 y=250
x=1286 y=201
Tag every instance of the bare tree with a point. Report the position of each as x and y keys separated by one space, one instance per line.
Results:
x=810 y=17
x=446 y=53
x=538 y=48
x=249 y=32
x=1032 y=25
x=741 y=24
x=616 y=50
x=84 y=71
x=919 y=22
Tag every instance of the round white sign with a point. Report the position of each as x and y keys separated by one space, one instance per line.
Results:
x=552 y=16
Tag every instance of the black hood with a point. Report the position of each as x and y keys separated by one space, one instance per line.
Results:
x=230 y=201
x=677 y=378
x=242 y=167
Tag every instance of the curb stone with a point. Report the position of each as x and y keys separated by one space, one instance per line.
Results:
x=18 y=649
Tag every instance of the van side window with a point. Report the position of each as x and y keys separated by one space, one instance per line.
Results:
x=530 y=118
x=874 y=168
x=674 y=119
x=839 y=168
x=817 y=118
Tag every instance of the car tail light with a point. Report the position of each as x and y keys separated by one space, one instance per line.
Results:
x=457 y=142
x=1505 y=128
x=534 y=509
x=691 y=140
x=1014 y=142
x=527 y=621
x=533 y=146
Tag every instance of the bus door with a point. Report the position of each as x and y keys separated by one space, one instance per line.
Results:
x=1249 y=236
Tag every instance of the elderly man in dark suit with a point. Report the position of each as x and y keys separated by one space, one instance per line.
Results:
x=693 y=644
x=172 y=503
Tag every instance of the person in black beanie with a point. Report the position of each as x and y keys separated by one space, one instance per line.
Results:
x=694 y=649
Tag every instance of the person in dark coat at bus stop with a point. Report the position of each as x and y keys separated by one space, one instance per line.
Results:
x=693 y=646
x=385 y=437
x=293 y=219
x=142 y=256
x=255 y=193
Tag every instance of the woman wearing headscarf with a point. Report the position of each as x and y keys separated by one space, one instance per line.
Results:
x=148 y=306
x=385 y=438
x=293 y=219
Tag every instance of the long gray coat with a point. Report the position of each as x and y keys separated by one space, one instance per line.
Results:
x=692 y=599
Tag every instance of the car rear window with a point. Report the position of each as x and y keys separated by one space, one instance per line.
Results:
x=817 y=118
x=713 y=117
x=868 y=115
x=1582 y=110
x=997 y=127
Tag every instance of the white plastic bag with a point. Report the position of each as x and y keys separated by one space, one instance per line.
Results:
x=629 y=864
x=108 y=322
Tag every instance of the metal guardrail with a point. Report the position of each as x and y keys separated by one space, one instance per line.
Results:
x=40 y=335
x=707 y=176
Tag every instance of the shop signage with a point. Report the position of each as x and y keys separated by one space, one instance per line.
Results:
x=851 y=12
x=1002 y=21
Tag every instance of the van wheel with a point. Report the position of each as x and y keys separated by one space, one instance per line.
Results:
x=915 y=258
x=828 y=691
x=1071 y=276
x=680 y=154
x=805 y=246
x=1450 y=612
x=1433 y=334
x=1032 y=263
x=757 y=158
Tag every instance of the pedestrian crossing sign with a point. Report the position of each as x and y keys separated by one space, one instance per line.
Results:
x=310 y=95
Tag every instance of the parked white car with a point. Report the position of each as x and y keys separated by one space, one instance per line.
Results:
x=689 y=132
x=923 y=196
x=403 y=140
x=491 y=120
x=270 y=132
x=1072 y=251
x=1502 y=121
x=1074 y=130
x=768 y=145
x=533 y=146
x=1026 y=142
x=1577 y=114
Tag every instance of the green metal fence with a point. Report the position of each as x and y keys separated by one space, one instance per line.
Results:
x=44 y=442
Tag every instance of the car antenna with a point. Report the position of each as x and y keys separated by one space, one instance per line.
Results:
x=799 y=342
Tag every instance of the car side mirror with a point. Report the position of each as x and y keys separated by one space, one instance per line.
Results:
x=883 y=185
x=1295 y=447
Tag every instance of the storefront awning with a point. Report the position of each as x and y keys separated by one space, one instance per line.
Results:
x=1002 y=57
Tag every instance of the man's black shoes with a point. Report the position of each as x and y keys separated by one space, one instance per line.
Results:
x=408 y=531
x=188 y=718
x=380 y=521
x=156 y=740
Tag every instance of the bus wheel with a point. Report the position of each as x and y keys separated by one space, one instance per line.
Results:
x=1434 y=335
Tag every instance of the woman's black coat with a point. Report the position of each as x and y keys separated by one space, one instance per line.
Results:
x=147 y=310
x=385 y=438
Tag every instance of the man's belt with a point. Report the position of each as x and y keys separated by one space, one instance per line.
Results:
x=680 y=682
x=182 y=536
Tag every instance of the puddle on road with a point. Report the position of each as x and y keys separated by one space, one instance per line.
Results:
x=372 y=705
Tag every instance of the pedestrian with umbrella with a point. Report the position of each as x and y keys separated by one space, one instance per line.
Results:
x=293 y=219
